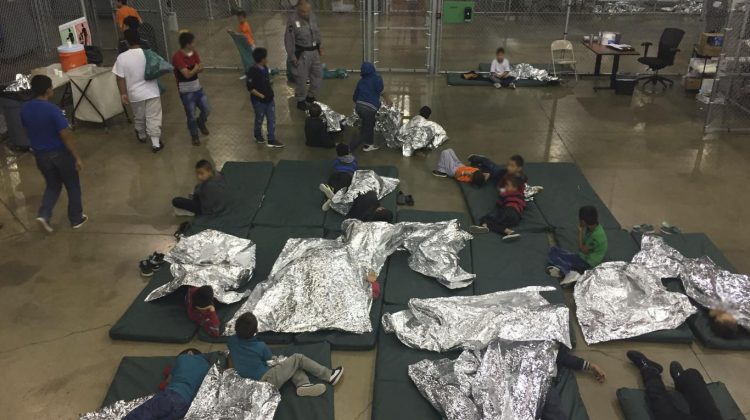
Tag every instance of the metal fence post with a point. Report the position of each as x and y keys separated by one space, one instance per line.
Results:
x=567 y=20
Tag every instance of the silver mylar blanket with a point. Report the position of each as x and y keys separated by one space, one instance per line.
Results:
x=419 y=133
x=21 y=83
x=363 y=182
x=387 y=121
x=226 y=395
x=527 y=71
x=434 y=249
x=210 y=258
x=618 y=300
x=116 y=410
x=506 y=381
x=472 y=322
x=332 y=118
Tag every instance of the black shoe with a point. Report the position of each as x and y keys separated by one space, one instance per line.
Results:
x=156 y=260
x=180 y=232
x=336 y=375
x=158 y=148
x=260 y=140
x=302 y=105
x=310 y=99
x=78 y=225
x=675 y=370
x=640 y=360
x=275 y=144
x=196 y=141
x=439 y=174
x=203 y=128
x=146 y=270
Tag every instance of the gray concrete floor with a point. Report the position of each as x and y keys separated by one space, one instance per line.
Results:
x=61 y=292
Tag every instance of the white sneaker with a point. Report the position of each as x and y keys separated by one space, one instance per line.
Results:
x=478 y=229
x=570 y=278
x=512 y=86
x=554 y=272
x=45 y=224
x=370 y=148
x=326 y=206
x=182 y=212
x=511 y=237
x=310 y=390
x=326 y=190
x=497 y=85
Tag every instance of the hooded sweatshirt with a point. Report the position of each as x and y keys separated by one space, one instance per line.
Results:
x=369 y=88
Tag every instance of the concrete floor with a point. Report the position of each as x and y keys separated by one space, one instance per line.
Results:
x=644 y=155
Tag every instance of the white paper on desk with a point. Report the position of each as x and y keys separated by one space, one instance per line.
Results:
x=621 y=47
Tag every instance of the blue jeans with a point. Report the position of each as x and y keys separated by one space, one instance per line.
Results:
x=167 y=405
x=58 y=169
x=368 y=117
x=567 y=261
x=486 y=165
x=267 y=111
x=190 y=101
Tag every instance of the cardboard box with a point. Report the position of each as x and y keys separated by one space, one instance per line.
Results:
x=691 y=83
x=710 y=44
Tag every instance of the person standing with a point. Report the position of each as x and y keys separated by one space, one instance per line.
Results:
x=142 y=95
x=258 y=82
x=54 y=150
x=122 y=12
x=187 y=64
x=303 y=50
x=366 y=104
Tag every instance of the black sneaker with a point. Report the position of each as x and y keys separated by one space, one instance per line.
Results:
x=202 y=127
x=439 y=174
x=336 y=375
x=302 y=105
x=146 y=269
x=275 y=144
x=83 y=221
x=675 y=370
x=156 y=260
x=196 y=141
x=310 y=99
x=260 y=140
x=640 y=360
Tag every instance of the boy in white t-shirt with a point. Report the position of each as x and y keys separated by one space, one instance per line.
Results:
x=500 y=71
x=142 y=95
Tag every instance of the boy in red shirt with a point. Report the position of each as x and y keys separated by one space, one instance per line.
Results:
x=187 y=65
x=508 y=211
x=245 y=29
x=200 y=309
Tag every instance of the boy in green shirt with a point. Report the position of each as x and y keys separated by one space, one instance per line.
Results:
x=592 y=246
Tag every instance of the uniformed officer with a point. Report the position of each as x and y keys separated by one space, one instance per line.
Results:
x=302 y=42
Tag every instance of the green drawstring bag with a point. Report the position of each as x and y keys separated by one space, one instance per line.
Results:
x=155 y=65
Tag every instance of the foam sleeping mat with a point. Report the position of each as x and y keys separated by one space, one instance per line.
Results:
x=565 y=191
x=635 y=406
x=455 y=79
x=403 y=283
x=269 y=241
x=333 y=219
x=620 y=244
x=292 y=197
x=140 y=376
x=163 y=320
x=481 y=201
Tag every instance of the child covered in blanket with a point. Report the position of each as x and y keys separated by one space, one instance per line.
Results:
x=344 y=167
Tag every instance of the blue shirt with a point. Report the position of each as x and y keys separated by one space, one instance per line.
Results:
x=369 y=88
x=187 y=375
x=249 y=356
x=43 y=121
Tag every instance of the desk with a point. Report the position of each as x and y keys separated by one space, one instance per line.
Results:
x=601 y=50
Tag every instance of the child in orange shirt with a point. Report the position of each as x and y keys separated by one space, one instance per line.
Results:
x=123 y=11
x=245 y=29
x=450 y=165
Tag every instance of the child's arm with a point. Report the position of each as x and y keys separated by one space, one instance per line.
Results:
x=581 y=244
x=267 y=355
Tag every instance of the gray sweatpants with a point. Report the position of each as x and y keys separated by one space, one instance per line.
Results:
x=308 y=67
x=294 y=368
x=448 y=162
x=147 y=116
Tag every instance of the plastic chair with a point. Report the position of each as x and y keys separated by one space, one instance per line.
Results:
x=562 y=54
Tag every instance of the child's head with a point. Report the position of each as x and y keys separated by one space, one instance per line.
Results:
x=500 y=53
x=724 y=324
x=120 y=3
x=314 y=110
x=203 y=170
x=241 y=16
x=131 y=22
x=187 y=41
x=588 y=215
x=41 y=86
x=132 y=37
x=190 y=351
x=515 y=165
x=425 y=112
x=478 y=178
x=342 y=149
x=382 y=214
x=260 y=56
x=513 y=183
x=246 y=326
x=203 y=297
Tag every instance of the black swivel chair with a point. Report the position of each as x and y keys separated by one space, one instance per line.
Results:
x=670 y=40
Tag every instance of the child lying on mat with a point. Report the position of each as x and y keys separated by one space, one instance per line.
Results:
x=592 y=247
x=201 y=310
x=250 y=357
x=723 y=324
x=500 y=174
x=449 y=165
x=344 y=167
x=507 y=213
x=182 y=384
x=553 y=406
x=500 y=71
x=208 y=196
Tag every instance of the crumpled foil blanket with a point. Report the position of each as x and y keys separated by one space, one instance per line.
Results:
x=419 y=133
x=625 y=7
x=319 y=284
x=434 y=249
x=618 y=300
x=116 y=410
x=506 y=381
x=472 y=322
x=226 y=395
x=210 y=258
x=531 y=191
x=527 y=71
x=22 y=82
x=332 y=118
x=363 y=182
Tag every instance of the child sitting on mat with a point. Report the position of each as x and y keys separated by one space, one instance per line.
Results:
x=344 y=167
x=449 y=165
x=592 y=246
x=500 y=71
x=507 y=213
x=499 y=174
x=201 y=310
x=250 y=357
x=316 y=130
x=182 y=384
x=208 y=196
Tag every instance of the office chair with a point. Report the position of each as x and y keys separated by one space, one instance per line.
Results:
x=668 y=43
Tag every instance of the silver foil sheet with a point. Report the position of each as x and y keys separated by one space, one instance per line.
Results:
x=472 y=322
x=116 y=410
x=210 y=258
x=226 y=395
x=22 y=82
x=434 y=249
x=531 y=191
x=618 y=8
x=715 y=288
x=527 y=71
x=661 y=259
x=506 y=381
x=419 y=133
x=618 y=300
x=332 y=118
x=388 y=122
x=363 y=182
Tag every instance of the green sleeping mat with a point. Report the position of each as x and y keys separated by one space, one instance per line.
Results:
x=481 y=201
x=333 y=219
x=140 y=376
x=293 y=197
x=163 y=320
x=404 y=283
x=565 y=191
x=635 y=405
x=455 y=79
x=620 y=244
x=269 y=241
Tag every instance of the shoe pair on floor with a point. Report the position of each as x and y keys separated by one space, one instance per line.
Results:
x=276 y=144
x=46 y=226
x=151 y=264
x=641 y=361
x=315 y=390
x=665 y=228
x=510 y=236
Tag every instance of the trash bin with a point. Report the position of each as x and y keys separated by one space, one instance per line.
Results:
x=625 y=84
x=102 y=98
x=10 y=106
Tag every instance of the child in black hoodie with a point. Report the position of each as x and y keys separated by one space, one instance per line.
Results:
x=316 y=130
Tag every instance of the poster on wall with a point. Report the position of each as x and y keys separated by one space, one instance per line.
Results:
x=76 y=32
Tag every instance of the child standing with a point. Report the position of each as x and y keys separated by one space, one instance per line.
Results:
x=261 y=95
x=500 y=71
x=344 y=167
x=507 y=214
x=187 y=64
x=449 y=165
x=250 y=357
x=201 y=310
x=366 y=104
x=316 y=130
x=208 y=197
x=244 y=28
x=592 y=246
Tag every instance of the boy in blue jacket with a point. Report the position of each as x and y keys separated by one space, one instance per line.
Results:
x=344 y=167
x=366 y=105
